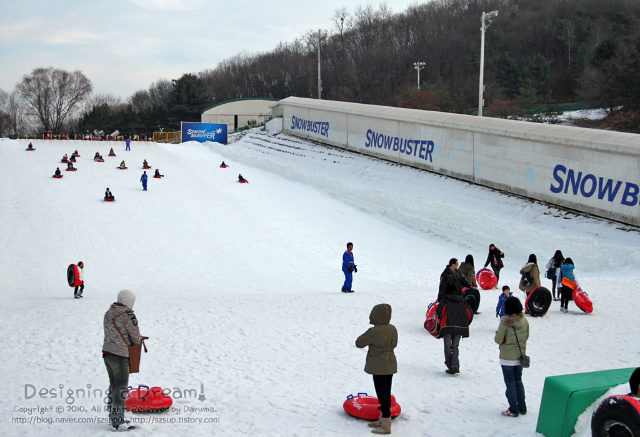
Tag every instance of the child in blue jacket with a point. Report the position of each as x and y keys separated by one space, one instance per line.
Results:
x=506 y=294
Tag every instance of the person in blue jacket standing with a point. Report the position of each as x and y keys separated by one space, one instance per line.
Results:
x=128 y=147
x=143 y=179
x=506 y=294
x=348 y=268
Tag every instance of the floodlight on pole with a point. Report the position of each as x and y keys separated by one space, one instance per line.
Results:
x=419 y=66
x=486 y=21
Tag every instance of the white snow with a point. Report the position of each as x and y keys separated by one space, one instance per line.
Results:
x=238 y=288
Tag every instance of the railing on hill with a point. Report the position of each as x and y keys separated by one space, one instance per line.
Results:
x=167 y=137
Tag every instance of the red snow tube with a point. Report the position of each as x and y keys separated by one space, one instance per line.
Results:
x=582 y=300
x=73 y=276
x=109 y=200
x=157 y=177
x=147 y=400
x=486 y=279
x=121 y=168
x=367 y=407
x=112 y=154
x=70 y=169
x=244 y=182
x=616 y=416
x=56 y=177
x=30 y=150
x=99 y=160
x=64 y=160
x=147 y=167
x=223 y=166
x=431 y=324
x=538 y=302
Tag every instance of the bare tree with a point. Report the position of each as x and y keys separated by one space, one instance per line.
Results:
x=51 y=95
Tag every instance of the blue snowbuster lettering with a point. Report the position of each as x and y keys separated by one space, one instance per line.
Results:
x=423 y=149
x=316 y=127
x=586 y=185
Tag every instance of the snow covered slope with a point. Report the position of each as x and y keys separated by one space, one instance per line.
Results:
x=238 y=286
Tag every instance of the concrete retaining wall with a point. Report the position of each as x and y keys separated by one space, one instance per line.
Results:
x=589 y=170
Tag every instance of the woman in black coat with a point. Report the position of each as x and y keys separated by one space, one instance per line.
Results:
x=495 y=259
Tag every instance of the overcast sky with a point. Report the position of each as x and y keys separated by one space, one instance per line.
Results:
x=123 y=46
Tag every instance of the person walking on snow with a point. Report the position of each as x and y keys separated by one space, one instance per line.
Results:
x=495 y=259
x=143 y=179
x=78 y=294
x=512 y=336
x=121 y=330
x=452 y=314
x=553 y=271
x=569 y=283
x=468 y=270
x=381 y=361
x=348 y=268
x=128 y=145
x=531 y=267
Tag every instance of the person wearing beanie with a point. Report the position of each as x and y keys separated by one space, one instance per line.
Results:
x=120 y=331
x=634 y=383
x=512 y=336
x=530 y=268
x=348 y=268
x=382 y=339
x=452 y=313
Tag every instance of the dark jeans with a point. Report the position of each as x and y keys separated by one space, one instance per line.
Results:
x=565 y=296
x=515 y=389
x=496 y=270
x=75 y=290
x=118 y=370
x=553 y=287
x=382 y=384
x=451 y=343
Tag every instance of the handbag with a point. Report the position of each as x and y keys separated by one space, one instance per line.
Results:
x=551 y=273
x=135 y=351
x=525 y=360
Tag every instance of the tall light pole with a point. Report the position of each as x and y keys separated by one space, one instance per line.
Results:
x=418 y=66
x=320 y=38
x=486 y=21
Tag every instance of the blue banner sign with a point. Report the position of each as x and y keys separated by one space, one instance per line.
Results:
x=202 y=132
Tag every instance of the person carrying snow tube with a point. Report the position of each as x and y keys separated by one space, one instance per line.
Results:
x=569 y=283
x=530 y=275
x=75 y=278
x=495 y=259
x=121 y=330
x=619 y=416
x=453 y=314
x=348 y=268
x=381 y=362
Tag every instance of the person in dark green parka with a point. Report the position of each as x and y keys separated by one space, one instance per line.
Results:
x=382 y=339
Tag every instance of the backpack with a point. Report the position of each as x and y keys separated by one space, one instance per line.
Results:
x=527 y=279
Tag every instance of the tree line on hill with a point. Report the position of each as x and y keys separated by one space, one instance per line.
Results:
x=537 y=54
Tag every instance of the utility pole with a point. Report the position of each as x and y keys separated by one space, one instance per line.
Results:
x=320 y=38
x=419 y=66
x=485 y=17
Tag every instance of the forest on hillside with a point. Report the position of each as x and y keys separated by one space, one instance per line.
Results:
x=537 y=54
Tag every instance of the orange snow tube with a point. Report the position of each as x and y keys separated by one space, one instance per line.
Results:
x=367 y=407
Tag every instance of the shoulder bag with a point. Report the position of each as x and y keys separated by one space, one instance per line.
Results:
x=135 y=351
x=525 y=360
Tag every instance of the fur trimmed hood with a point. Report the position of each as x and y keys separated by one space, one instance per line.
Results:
x=512 y=320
